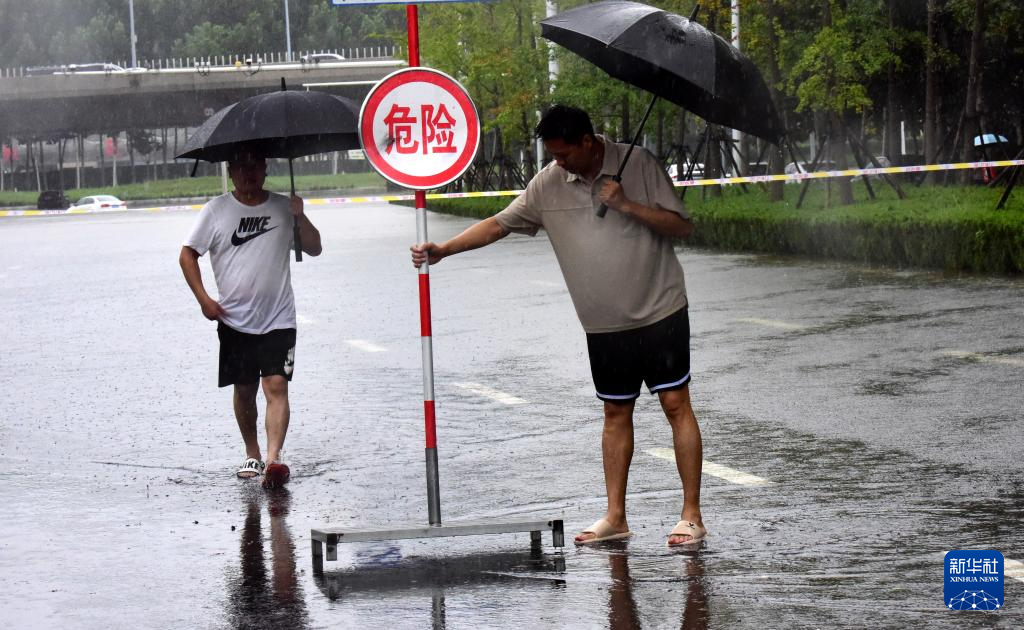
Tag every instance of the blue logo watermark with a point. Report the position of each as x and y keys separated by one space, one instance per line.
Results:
x=974 y=580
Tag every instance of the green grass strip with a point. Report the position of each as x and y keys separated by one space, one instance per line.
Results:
x=951 y=228
x=203 y=187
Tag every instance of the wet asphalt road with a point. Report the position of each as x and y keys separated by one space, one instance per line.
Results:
x=876 y=415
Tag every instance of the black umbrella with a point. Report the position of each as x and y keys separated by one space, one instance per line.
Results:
x=672 y=57
x=285 y=124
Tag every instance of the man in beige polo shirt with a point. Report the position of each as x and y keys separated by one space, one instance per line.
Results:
x=628 y=289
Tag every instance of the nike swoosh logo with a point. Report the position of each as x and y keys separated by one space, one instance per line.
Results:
x=237 y=240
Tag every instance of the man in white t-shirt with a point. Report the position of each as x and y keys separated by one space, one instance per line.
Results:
x=249 y=235
x=628 y=289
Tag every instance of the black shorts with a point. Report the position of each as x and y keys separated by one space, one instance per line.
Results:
x=657 y=354
x=244 y=358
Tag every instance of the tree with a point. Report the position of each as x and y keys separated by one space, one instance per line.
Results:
x=492 y=49
x=971 y=123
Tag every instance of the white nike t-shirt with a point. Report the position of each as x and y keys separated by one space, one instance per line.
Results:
x=250 y=249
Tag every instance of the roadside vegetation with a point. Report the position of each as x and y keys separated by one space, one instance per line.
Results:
x=954 y=228
x=189 y=187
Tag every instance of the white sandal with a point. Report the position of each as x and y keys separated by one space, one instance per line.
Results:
x=251 y=469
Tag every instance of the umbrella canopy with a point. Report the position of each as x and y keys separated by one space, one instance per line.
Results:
x=989 y=138
x=671 y=57
x=284 y=124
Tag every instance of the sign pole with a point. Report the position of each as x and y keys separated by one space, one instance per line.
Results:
x=420 y=129
x=430 y=424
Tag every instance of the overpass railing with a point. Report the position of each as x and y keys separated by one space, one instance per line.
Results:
x=211 y=61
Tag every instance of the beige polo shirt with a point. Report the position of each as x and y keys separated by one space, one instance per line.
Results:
x=620 y=273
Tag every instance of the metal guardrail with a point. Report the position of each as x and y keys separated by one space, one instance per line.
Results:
x=210 y=61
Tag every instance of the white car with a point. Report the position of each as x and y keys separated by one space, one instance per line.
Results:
x=98 y=203
x=316 y=58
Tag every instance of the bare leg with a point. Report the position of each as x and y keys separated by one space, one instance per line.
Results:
x=275 y=388
x=617 y=452
x=688 y=450
x=245 y=414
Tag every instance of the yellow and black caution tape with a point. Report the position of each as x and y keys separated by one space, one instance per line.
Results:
x=721 y=181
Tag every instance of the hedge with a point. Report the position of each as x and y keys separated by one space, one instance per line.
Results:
x=950 y=228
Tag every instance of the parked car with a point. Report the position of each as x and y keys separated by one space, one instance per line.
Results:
x=676 y=175
x=318 y=57
x=52 y=200
x=90 y=67
x=98 y=203
x=37 y=71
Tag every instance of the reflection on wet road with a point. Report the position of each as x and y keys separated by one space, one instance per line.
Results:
x=857 y=424
x=258 y=598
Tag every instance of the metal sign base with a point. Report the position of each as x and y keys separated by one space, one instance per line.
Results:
x=333 y=536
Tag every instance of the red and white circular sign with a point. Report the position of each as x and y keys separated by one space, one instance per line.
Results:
x=419 y=128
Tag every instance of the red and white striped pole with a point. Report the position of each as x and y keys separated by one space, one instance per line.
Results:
x=433 y=486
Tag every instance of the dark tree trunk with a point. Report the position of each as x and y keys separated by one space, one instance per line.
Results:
x=61 y=145
x=103 y=165
x=892 y=114
x=660 y=142
x=837 y=135
x=625 y=135
x=130 y=146
x=713 y=149
x=776 y=160
x=973 y=80
x=930 y=103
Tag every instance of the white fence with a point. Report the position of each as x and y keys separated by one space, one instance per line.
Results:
x=364 y=52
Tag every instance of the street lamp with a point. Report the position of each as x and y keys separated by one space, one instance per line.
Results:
x=287 y=30
x=131 y=28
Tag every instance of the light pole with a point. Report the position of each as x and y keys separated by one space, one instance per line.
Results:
x=737 y=136
x=287 y=30
x=131 y=28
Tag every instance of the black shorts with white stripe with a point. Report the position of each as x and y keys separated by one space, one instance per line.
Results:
x=657 y=354
x=245 y=358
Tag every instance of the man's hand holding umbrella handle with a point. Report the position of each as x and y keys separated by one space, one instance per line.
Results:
x=657 y=218
x=307 y=237
x=603 y=210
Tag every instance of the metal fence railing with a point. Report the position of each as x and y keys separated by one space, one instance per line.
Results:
x=305 y=57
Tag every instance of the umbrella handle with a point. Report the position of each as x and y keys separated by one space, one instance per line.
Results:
x=295 y=219
x=603 y=210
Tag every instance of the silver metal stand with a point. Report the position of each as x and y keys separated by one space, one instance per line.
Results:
x=333 y=536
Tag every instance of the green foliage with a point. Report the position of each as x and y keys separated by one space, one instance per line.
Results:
x=493 y=49
x=955 y=229
x=833 y=70
x=191 y=187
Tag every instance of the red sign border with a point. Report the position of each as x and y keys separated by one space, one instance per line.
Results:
x=369 y=108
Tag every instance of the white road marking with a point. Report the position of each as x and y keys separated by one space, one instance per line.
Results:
x=1013 y=569
x=365 y=346
x=548 y=283
x=493 y=394
x=983 y=358
x=771 y=323
x=302 y=319
x=715 y=470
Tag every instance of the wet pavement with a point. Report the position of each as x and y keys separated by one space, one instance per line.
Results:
x=857 y=424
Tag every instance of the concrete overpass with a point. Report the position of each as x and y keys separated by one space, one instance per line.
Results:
x=86 y=103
